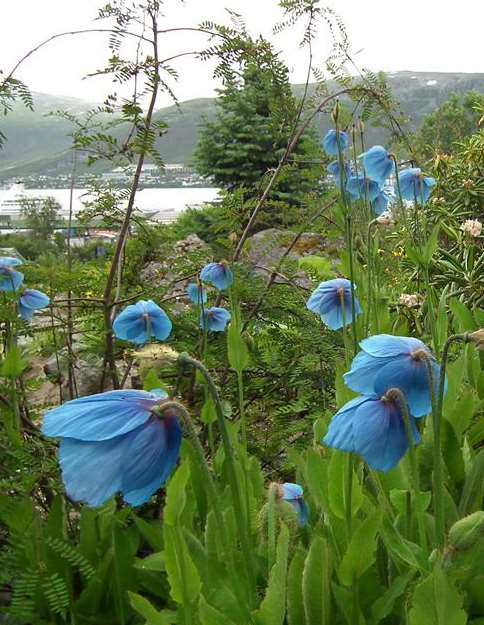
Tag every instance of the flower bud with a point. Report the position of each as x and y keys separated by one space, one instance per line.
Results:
x=385 y=219
x=335 y=112
x=472 y=227
x=467 y=531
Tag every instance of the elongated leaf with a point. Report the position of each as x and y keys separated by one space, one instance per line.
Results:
x=295 y=602
x=463 y=315
x=210 y=615
x=316 y=584
x=152 y=616
x=337 y=477
x=13 y=364
x=316 y=474
x=185 y=583
x=237 y=351
x=436 y=602
x=360 y=553
x=176 y=494
x=403 y=550
x=273 y=607
x=152 y=532
x=384 y=605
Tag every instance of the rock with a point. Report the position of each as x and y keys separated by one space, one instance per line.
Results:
x=191 y=243
x=154 y=271
x=266 y=248
x=87 y=373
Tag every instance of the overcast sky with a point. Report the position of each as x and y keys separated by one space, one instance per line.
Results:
x=418 y=35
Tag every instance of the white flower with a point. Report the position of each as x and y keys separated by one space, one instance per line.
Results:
x=410 y=300
x=472 y=227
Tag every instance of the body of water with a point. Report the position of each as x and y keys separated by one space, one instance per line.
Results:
x=147 y=200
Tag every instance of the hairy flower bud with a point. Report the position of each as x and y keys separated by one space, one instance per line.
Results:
x=410 y=300
x=467 y=531
x=385 y=219
x=477 y=338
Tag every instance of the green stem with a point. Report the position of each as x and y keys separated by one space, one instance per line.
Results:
x=240 y=516
x=437 y=405
x=369 y=262
x=349 y=496
x=415 y=481
x=243 y=425
x=352 y=281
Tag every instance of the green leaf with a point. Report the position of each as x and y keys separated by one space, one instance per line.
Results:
x=185 y=583
x=237 y=352
x=295 y=603
x=208 y=414
x=211 y=616
x=316 y=584
x=337 y=477
x=273 y=607
x=316 y=475
x=460 y=414
x=322 y=266
x=403 y=550
x=436 y=601
x=360 y=553
x=384 y=605
x=398 y=497
x=152 y=381
x=463 y=315
x=152 y=616
x=431 y=245
x=153 y=562
x=176 y=494
x=151 y=531
x=13 y=364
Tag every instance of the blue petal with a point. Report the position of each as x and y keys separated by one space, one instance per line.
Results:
x=385 y=345
x=34 y=299
x=25 y=312
x=217 y=274
x=379 y=434
x=91 y=471
x=410 y=376
x=196 y=293
x=330 y=142
x=361 y=376
x=10 y=280
x=215 y=319
x=380 y=203
x=377 y=164
x=100 y=417
x=9 y=261
x=153 y=453
x=340 y=431
x=291 y=491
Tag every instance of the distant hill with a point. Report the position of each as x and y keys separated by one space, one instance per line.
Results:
x=39 y=144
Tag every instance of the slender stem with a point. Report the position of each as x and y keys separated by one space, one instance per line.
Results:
x=240 y=515
x=349 y=495
x=352 y=281
x=397 y=394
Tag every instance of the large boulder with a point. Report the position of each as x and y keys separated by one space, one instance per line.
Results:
x=266 y=248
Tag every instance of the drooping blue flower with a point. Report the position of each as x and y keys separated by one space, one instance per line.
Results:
x=388 y=361
x=214 y=319
x=334 y=169
x=31 y=300
x=138 y=322
x=414 y=185
x=330 y=142
x=372 y=427
x=327 y=301
x=217 y=274
x=10 y=279
x=359 y=187
x=196 y=293
x=113 y=442
x=380 y=203
x=293 y=494
x=377 y=164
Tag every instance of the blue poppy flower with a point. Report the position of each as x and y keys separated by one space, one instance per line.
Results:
x=414 y=185
x=112 y=442
x=214 y=319
x=377 y=164
x=293 y=494
x=327 y=300
x=372 y=427
x=139 y=322
x=330 y=142
x=380 y=203
x=196 y=293
x=388 y=361
x=334 y=169
x=31 y=300
x=217 y=274
x=359 y=187
x=10 y=279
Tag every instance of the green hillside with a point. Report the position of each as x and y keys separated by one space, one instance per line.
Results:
x=37 y=143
